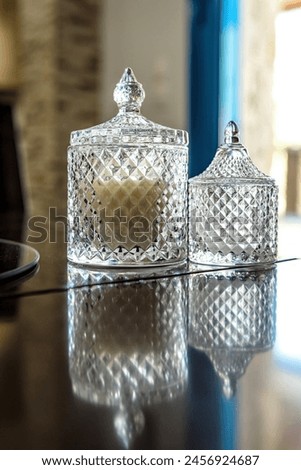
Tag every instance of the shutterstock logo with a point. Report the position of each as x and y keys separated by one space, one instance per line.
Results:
x=114 y=228
x=43 y=228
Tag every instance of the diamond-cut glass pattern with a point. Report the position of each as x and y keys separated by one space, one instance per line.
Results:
x=127 y=188
x=231 y=318
x=145 y=186
x=229 y=226
x=130 y=346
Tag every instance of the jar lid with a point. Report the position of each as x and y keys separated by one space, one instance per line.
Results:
x=232 y=162
x=129 y=127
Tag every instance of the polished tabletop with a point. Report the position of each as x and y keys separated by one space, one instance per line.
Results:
x=182 y=358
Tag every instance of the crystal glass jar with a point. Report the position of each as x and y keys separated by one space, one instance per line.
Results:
x=233 y=209
x=127 y=188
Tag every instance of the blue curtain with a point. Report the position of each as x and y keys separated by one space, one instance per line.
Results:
x=213 y=76
x=204 y=82
x=213 y=101
x=229 y=66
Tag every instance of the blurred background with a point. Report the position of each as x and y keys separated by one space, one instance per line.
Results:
x=202 y=63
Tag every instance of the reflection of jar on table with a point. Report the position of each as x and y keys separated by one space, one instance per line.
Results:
x=127 y=347
x=232 y=318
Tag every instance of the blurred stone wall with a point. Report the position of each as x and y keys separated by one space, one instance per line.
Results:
x=257 y=61
x=59 y=81
x=8 y=45
x=258 y=52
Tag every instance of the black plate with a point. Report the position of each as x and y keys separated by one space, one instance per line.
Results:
x=16 y=259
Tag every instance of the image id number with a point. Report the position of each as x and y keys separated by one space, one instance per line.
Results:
x=221 y=460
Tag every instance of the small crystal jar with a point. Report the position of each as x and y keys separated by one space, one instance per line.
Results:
x=127 y=188
x=233 y=209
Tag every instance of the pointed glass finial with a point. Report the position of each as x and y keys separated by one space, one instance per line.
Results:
x=129 y=93
x=129 y=423
x=229 y=387
x=231 y=133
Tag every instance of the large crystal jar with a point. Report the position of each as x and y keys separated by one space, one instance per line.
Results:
x=233 y=209
x=127 y=188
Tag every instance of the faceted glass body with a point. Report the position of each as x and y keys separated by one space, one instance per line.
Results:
x=233 y=210
x=127 y=188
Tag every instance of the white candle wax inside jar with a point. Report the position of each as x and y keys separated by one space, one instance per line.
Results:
x=128 y=211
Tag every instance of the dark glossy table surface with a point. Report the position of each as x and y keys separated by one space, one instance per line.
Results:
x=188 y=358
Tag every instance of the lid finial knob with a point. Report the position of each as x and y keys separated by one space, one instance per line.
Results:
x=231 y=133
x=129 y=93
